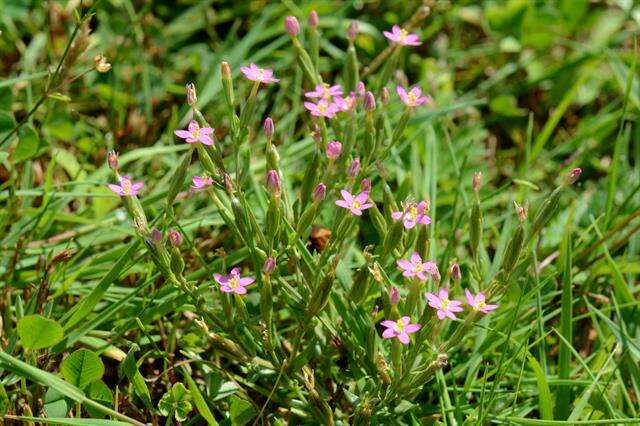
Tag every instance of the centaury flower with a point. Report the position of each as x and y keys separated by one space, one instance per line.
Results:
x=255 y=73
x=195 y=133
x=201 y=182
x=402 y=37
x=354 y=203
x=413 y=214
x=126 y=187
x=478 y=302
x=413 y=97
x=325 y=91
x=322 y=109
x=400 y=329
x=444 y=307
x=415 y=267
x=233 y=283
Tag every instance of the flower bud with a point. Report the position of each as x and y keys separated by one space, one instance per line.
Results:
x=273 y=181
x=313 y=19
x=334 y=149
x=477 y=181
x=365 y=185
x=384 y=96
x=269 y=265
x=156 y=235
x=360 y=90
x=101 y=64
x=522 y=211
x=435 y=275
x=352 y=31
x=268 y=127
x=394 y=296
x=112 y=160
x=319 y=192
x=192 y=98
x=369 y=102
x=292 y=26
x=574 y=174
x=354 y=168
x=225 y=69
x=175 y=238
x=456 y=274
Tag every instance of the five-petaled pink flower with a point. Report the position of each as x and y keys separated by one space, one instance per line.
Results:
x=400 y=329
x=413 y=97
x=322 y=109
x=200 y=182
x=346 y=104
x=334 y=149
x=416 y=268
x=413 y=214
x=325 y=91
x=402 y=37
x=126 y=187
x=255 y=73
x=196 y=133
x=355 y=204
x=478 y=302
x=444 y=306
x=233 y=283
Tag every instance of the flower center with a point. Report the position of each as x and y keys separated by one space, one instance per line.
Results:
x=233 y=282
x=417 y=268
x=356 y=204
x=322 y=107
x=196 y=133
x=126 y=186
x=325 y=90
x=412 y=97
x=400 y=326
x=260 y=73
x=480 y=304
x=403 y=34
x=445 y=302
x=413 y=212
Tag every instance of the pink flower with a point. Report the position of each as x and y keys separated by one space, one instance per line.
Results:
x=126 y=187
x=413 y=98
x=233 y=283
x=322 y=109
x=394 y=295
x=413 y=214
x=416 y=268
x=402 y=37
x=254 y=73
x=346 y=104
x=196 y=133
x=325 y=91
x=400 y=329
x=478 y=302
x=334 y=149
x=200 y=182
x=444 y=306
x=355 y=204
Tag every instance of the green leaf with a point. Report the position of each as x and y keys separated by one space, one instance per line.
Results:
x=82 y=367
x=241 y=411
x=74 y=422
x=55 y=404
x=37 y=332
x=99 y=392
x=544 y=394
x=130 y=369
x=28 y=143
x=199 y=400
x=176 y=402
x=7 y=123
x=4 y=401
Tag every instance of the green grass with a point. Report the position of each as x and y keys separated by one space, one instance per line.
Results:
x=523 y=92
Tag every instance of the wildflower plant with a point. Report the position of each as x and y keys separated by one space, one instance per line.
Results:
x=323 y=280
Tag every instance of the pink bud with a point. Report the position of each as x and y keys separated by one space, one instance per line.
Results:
x=360 y=90
x=394 y=296
x=334 y=149
x=292 y=26
x=225 y=69
x=269 y=265
x=354 y=168
x=352 y=31
x=369 y=102
x=273 y=180
x=313 y=19
x=156 y=235
x=435 y=275
x=175 y=238
x=112 y=160
x=456 y=274
x=192 y=98
x=574 y=174
x=365 y=185
x=319 y=192
x=268 y=127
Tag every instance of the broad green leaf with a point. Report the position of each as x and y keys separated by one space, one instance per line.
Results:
x=7 y=123
x=82 y=367
x=241 y=411
x=99 y=392
x=28 y=144
x=55 y=404
x=176 y=402
x=37 y=332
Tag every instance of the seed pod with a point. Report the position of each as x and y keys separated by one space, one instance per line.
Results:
x=306 y=218
x=378 y=220
x=352 y=74
x=320 y=296
x=309 y=179
x=238 y=212
x=177 y=262
x=389 y=201
x=546 y=211
x=178 y=178
x=475 y=228
x=227 y=88
x=512 y=252
x=192 y=97
x=393 y=237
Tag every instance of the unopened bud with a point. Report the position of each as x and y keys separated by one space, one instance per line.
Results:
x=319 y=192
x=574 y=174
x=273 y=181
x=361 y=90
x=352 y=31
x=269 y=265
x=334 y=149
x=456 y=274
x=369 y=102
x=112 y=160
x=354 y=168
x=394 y=295
x=291 y=25
x=175 y=238
x=156 y=235
x=225 y=69
x=316 y=133
x=522 y=211
x=435 y=275
x=192 y=98
x=228 y=183
x=313 y=18
x=365 y=185
x=268 y=127
x=477 y=181
x=384 y=96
